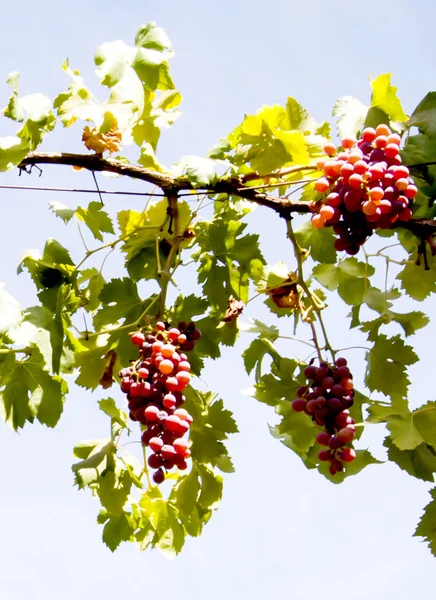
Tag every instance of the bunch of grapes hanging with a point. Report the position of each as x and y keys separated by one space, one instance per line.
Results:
x=365 y=187
x=154 y=385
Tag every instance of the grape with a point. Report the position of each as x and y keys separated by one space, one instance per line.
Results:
x=334 y=404
x=347 y=454
x=335 y=442
x=167 y=350
x=346 y=435
x=155 y=461
x=323 y=438
x=159 y=476
x=328 y=383
x=318 y=221
x=183 y=415
x=138 y=338
x=310 y=372
x=181 y=447
x=166 y=366
x=322 y=184
x=155 y=444
x=125 y=385
x=327 y=396
x=324 y=455
x=298 y=405
x=154 y=385
x=330 y=149
x=362 y=183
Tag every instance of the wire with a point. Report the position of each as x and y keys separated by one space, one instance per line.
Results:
x=81 y=191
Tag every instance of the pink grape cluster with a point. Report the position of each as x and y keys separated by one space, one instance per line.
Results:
x=367 y=188
x=154 y=385
x=327 y=398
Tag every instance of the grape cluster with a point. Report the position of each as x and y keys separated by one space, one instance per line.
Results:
x=367 y=188
x=327 y=398
x=154 y=386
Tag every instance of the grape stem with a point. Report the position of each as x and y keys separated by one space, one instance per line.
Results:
x=145 y=469
x=4 y=351
x=123 y=327
x=299 y=254
x=165 y=273
x=117 y=241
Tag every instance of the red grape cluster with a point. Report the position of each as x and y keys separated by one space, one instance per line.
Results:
x=154 y=385
x=326 y=398
x=367 y=187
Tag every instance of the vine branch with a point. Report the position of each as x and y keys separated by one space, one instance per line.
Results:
x=233 y=186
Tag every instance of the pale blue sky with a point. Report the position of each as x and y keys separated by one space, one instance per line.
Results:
x=281 y=529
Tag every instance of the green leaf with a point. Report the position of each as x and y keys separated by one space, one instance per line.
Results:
x=424 y=115
x=131 y=69
x=109 y=407
x=384 y=96
x=424 y=419
x=91 y=293
x=120 y=301
x=35 y=112
x=417 y=282
x=419 y=462
x=295 y=431
x=318 y=241
x=212 y=424
x=96 y=219
x=427 y=525
x=351 y=115
x=62 y=211
x=28 y=391
x=386 y=368
x=187 y=491
x=187 y=307
x=119 y=528
x=352 y=290
x=113 y=488
x=255 y=352
x=211 y=487
x=201 y=172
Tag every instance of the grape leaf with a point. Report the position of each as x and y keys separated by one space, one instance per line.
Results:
x=351 y=115
x=417 y=282
x=419 y=462
x=424 y=419
x=109 y=407
x=424 y=115
x=96 y=219
x=120 y=300
x=427 y=524
x=386 y=365
x=384 y=97
x=295 y=430
x=212 y=424
x=118 y=528
x=62 y=211
x=319 y=241
x=28 y=392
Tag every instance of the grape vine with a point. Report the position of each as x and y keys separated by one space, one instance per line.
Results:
x=141 y=330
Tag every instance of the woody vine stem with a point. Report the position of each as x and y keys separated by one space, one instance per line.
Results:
x=316 y=305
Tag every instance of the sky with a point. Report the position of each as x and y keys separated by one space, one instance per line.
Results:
x=280 y=530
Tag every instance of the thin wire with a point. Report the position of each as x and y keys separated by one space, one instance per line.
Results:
x=77 y=190
x=111 y=192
